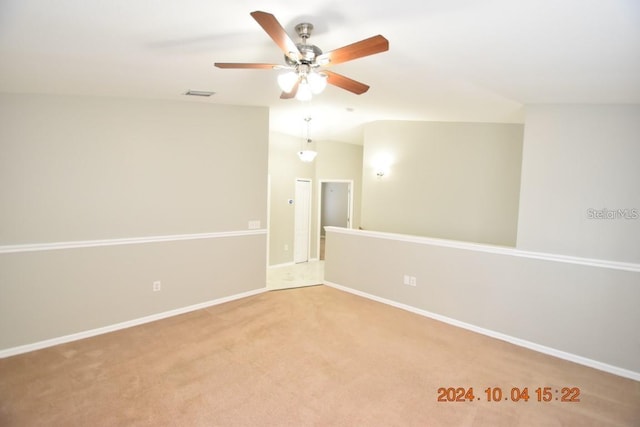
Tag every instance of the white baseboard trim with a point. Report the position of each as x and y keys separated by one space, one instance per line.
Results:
x=498 y=335
x=122 y=325
x=284 y=264
x=290 y=264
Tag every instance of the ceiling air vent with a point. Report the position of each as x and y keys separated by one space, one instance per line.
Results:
x=199 y=93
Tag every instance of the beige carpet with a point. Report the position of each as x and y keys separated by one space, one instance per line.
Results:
x=299 y=357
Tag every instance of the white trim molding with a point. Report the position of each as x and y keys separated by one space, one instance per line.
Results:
x=498 y=335
x=500 y=250
x=13 y=351
x=35 y=247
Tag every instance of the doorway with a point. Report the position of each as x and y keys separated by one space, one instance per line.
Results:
x=335 y=206
x=302 y=221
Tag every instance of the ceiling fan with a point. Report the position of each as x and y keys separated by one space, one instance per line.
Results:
x=306 y=62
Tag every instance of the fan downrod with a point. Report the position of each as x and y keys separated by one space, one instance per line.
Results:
x=304 y=30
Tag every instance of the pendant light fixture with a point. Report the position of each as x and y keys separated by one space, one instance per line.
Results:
x=307 y=154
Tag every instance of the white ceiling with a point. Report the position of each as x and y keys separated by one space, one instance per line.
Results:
x=449 y=60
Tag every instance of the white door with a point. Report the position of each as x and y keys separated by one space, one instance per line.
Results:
x=302 y=220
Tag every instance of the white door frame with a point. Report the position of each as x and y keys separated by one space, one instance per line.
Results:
x=295 y=216
x=349 y=212
x=268 y=218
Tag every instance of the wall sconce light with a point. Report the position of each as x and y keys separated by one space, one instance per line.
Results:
x=381 y=164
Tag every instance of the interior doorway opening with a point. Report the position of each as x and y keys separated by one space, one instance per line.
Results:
x=335 y=205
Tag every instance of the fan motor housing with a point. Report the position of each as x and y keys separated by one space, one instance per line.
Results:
x=308 y=52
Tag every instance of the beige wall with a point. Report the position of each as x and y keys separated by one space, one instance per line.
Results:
x=53 y=293
x=571 y=286
x=448 y=180
x=339 y=161
x=85 y=169
x=284 y=168
x=335 y=160
x=577 y=158
x=78 y=168
x=583 y=312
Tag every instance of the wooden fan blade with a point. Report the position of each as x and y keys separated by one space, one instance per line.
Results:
x=292 y=94
x=244 y=65
x=270 y=24
x=345 y=83
x=366 y=47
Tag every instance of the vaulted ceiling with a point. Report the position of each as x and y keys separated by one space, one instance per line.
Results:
x=449 y=60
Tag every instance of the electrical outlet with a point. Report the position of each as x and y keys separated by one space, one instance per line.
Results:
x=286 y=247
x=409 y=280
x=254 y=224
x=157 y=286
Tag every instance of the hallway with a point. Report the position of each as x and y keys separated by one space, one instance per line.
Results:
x=295 y=275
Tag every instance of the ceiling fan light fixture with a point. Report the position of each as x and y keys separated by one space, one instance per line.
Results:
x=304 y=91
x=317 y=82
x=303 y=59
x=287 y=81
